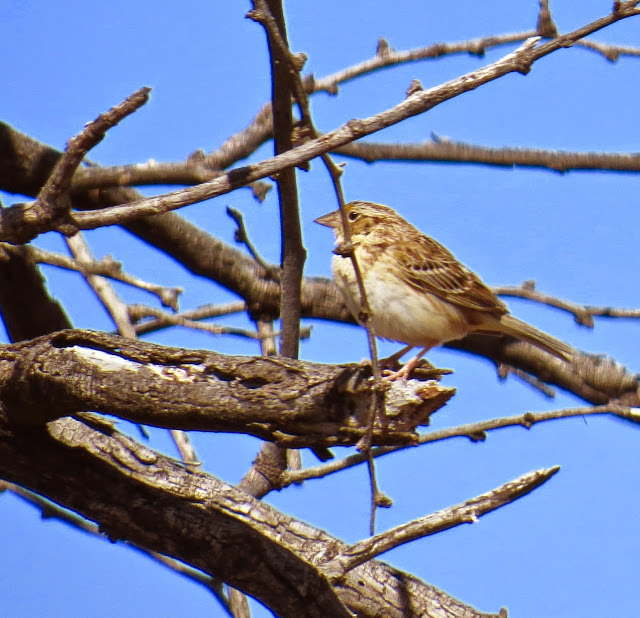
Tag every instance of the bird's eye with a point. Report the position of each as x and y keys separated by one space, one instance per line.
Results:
x=353 y=216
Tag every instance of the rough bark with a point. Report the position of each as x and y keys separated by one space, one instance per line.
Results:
x=290 y=402
x=143 y=497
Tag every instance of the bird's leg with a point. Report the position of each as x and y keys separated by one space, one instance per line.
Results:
x=405 y=371
x=394 y=359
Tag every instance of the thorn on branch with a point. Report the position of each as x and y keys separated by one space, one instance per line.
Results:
x=260 y=190
x=414 y=86
x=477 y=436
x=383 y=48
x=298 y=61
x=383 y=501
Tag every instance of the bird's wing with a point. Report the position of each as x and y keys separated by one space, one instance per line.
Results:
x=428 y=266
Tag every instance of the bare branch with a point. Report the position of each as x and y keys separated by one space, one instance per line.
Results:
x=189 y=172
x=166 y=319
x=386 y=56
x=107 y=267
x=467 y=512
x=539 y=385
x=610 y=52
x=52 y=208
x=138 y=312
x=519 y=61
x=583 y=314
x=101 y=287
x=242 y=237
x=202 y=167
x=288 y=402
x=443 y=149
x=476 y=432
x=206 y=513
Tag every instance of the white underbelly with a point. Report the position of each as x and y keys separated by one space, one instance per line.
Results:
x=401 y=313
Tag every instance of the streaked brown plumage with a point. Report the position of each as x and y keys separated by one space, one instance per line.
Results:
x=419 y=293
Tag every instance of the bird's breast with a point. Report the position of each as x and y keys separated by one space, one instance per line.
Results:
x=400 y=312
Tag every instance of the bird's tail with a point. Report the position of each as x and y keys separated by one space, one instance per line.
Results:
x=522 y=330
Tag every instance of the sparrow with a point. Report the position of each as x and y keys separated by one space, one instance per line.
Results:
x=419 y=294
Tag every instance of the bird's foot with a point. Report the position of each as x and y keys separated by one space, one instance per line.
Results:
x=406 y=370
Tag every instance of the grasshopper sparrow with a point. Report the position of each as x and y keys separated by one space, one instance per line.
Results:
x=418 y=292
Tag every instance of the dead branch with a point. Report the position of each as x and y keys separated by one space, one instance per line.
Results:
x=292 y=403
x=107 y=267
x=213 y=527
x=167 y=319
x=583 y=314
x=444 y=149
x=467 y=512
x=476 y=432
x=13 y=228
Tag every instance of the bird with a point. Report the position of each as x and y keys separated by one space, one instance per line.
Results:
x=419 y=294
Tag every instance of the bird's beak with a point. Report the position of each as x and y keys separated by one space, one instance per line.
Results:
x=331 y=219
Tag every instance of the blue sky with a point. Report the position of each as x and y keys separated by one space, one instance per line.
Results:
x=569 y=549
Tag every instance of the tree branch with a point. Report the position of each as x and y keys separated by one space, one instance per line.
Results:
x=206 y=524
x=50 y=510
x=106 y=267
x=467 y=512
x=443 y=149
x=476 y=432
x=292 y=403
x=12 y=226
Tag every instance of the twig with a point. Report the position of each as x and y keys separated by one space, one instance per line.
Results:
x=137 y=312
x=504 y=370
x=243 y=143
x=50 y=510
x=390 y=57
x=199 y=313
x=583 y=314
x=519 y=61
x=115 y=307
x=610 y=52
x=476 y=432
x=54 y=198
x=190 y=172
x=108 y=267
x=242 y=237
x=466 y=512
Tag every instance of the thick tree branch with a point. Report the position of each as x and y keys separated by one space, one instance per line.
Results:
x=292 y=403
x=205 y=523
x=597 y=380
x=26 y=307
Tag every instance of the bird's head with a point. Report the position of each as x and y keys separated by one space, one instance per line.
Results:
x=364 y=218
